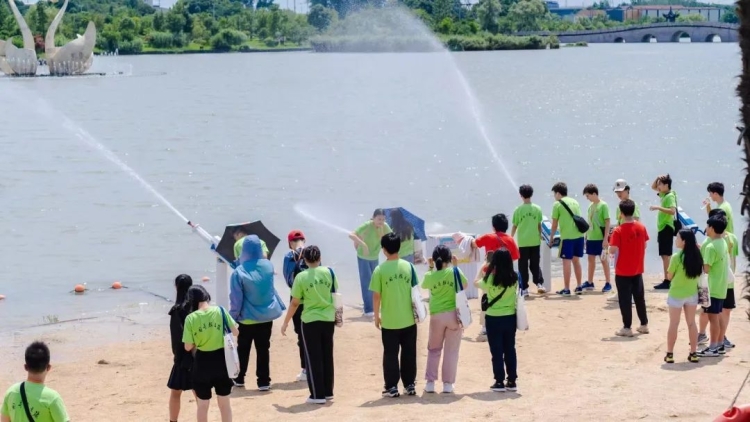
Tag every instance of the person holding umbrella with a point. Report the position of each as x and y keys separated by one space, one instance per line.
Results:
x=366 y=240
x=239 y=236
x=405 y=232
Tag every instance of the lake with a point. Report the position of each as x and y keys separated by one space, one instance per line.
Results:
x=237 y=137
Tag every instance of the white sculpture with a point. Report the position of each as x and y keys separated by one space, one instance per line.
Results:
x=16 y=61
x=75 y=57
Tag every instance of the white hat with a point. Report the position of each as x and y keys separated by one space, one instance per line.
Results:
x=620 y=185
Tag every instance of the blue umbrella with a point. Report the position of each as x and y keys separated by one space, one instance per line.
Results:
x=416 y=222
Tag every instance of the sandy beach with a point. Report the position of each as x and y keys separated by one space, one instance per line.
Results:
x=571 y=368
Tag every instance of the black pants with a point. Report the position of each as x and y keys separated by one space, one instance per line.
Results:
x=630 y=288
x=529 y=260
x=317 y=338
x=405 y=340
x=297 y=321
x=501 y=335
x=260 y=334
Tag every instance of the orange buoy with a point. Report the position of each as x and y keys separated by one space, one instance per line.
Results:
x=79 y=288
x=117 y=285
x=205 y=279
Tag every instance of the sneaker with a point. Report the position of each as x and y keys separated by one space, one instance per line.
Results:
x=613 y=297
x=721 y=350
x=391 y=392
x=302 y=376
x=643 y=329
x=607 y=288
x=511 y=385
x=239 y=382
x=624 y=332
x=540 y=289
x=708 y=353
x=564 y=292
x=525 y=292
x=669 y=358
x=410 y=390
x=311 y=400
x=483 y=331
x=579 y=290
x=728 y=344
x=447 y=388
x=587 y=285
x=664 y=285
x=498 y=387
x=264 y=388
x=693 y=357
x=329 y=398
x=429 y=387
x=702 y=338
x=369 y=314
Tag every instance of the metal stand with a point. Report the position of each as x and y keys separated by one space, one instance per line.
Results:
x=222 y=283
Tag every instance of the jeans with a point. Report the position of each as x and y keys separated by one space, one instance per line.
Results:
x=404 y=339
x=260 y=334
x=408 y=258
x=317 y=338
x=631 y=287
x=530 y=256
x=501 y=335
x=366 y=267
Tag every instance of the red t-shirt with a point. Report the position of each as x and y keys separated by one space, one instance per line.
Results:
x=494 y=241
x=630 y=239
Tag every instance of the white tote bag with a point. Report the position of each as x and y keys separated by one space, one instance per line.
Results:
x=730 y=273
x=704 y=294
x=338 y=301
x=417 y=304
x=522 y=319
x=463 y=312
x=231 y=357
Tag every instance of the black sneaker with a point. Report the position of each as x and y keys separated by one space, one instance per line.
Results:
x=498 y=387
x=411 y=390
x=511 y=385
x=722 y=350
x=391 y=392
x=664 y=285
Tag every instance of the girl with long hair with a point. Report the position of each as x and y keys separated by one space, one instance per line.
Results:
x=204 y=336
x=180 y=377
x=445 y=331
x=683 y=273
x=500 y=282
x=405 y=232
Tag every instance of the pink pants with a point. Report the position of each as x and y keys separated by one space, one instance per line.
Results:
x=445 y=334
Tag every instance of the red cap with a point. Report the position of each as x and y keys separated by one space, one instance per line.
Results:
x=295 y=235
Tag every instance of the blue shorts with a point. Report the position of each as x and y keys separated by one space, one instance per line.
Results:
x=594 y=247
x=570 y=248
x=717 y=306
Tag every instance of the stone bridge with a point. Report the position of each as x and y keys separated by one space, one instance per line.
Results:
x=660 y=32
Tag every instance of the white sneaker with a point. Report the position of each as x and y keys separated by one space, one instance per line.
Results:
x=302 y=376
x=525 y=292
x=613 y=298
x=264 y=388
x=540 y=289
x=447 y=388
x=483 y=331
x=369 y=314
x=311 y=400
x=429 y=387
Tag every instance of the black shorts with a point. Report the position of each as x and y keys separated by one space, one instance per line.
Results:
x=717 y=306
x=729 y=302
x=210 y=372
x=665 y=238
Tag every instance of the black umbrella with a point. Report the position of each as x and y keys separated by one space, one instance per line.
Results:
x=226 y=244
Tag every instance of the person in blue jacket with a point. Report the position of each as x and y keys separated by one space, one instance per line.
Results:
x=293 y=265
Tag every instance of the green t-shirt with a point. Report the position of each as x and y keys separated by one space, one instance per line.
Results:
x=442 y=289
x=620 y=218
x=668 y=200
x=565 y=223
x=45 y=404
x=506 y=305
x=205 y=329
x=313 y=286
x=715 y=255
x=371 y=236
x=407 y=247
x=733 y=251
x=394 y=280
x=681 y=286
x=238 y=247
x=598 y=216
x=730 y=218
x=527 y=218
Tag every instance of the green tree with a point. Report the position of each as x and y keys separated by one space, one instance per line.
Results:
x=488 y=12
x=200 y=33
x=321 y=17
x=729 y=16
x=39 y=19
x=159 y=22
x=528 y=14
x=693 y=17
x=445 y=26
x=175 y=22
x=226 y=39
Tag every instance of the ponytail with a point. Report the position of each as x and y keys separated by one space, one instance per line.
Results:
x=441 y=255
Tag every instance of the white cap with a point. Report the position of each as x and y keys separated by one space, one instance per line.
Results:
x=620 y=185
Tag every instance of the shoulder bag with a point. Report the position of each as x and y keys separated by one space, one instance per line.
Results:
x=581 y=224
x=25 y=401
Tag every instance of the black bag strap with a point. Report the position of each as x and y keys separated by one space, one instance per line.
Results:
x=494 y=301
x=567 y=208
x=26 y=402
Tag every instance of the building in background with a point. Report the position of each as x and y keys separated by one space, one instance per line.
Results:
x=635 y=13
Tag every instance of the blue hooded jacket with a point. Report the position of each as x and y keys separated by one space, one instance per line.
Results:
x=252 y=294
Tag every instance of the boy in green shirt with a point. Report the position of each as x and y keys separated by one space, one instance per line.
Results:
x=715 y=262
x=391 y=286
x=239 y=235
x=527 y=224
x=366 y=240
x=42 y=404
x=597 y=238
x=571 y=240
x=716 y=194
x=665 y=223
